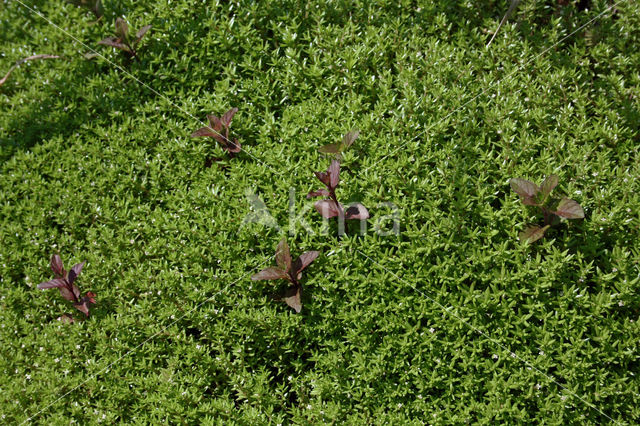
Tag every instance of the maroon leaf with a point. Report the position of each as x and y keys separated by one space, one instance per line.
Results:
x=323 y=177
x=71 y=276
x=319 y=193
x=533 y=233
x=114 y=42
x=215 y=122
x=85 y=303
x=228 y=116
x=270 y=274
x=233 y=146
x=55 y=283
x=334 y=173
x=569 y=208
x=327 y=208
x=66 y=293
x=283 y=256
x=82 y=306
x=56 y=266
x=221 y=140
x=122 y=29
x=302 y=262
x=356 y=211
x=77 y=268
x=332 y=148
x=76 y=291
x=141 y=32
x=350 y=138
x=524 y=188
x=547 y=185
x=203 y=131
x=292 y=297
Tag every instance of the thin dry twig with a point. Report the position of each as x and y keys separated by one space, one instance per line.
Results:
x=22 y=61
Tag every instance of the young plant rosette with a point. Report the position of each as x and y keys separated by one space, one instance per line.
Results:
x=123 y=40
x=552 y=208
x=331 y=207
x=218 y=129
x=65 y=282
x=290 y=271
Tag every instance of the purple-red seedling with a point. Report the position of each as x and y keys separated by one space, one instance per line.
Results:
x=288 y=270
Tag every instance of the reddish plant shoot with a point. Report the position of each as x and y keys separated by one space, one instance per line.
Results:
x=218 y=129
x=65 y=282
x=331 y=207
x=290 y=271
x=124 y=40
x=552 y=208
x=94 y=6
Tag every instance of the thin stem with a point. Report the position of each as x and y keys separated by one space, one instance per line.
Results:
x=332 y=195
x=341 y=218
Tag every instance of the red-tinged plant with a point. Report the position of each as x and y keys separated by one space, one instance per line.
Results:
x=219 y=130
x=331 y=207
x=288 y=270
x=338 y=148
x=65 y=282
x=123 y=40
x=93 y=5
x=552 y=208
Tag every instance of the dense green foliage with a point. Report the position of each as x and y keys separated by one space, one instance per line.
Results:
x=419 y=327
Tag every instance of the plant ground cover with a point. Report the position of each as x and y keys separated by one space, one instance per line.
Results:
x=452 y=320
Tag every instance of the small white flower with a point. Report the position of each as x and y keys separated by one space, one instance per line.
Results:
x=432 y=330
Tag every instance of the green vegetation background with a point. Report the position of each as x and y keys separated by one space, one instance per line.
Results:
x=98 y=167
